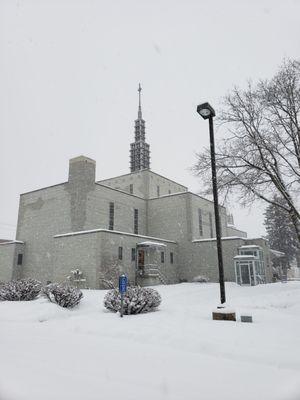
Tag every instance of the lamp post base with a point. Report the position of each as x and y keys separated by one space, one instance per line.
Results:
x=223 y=314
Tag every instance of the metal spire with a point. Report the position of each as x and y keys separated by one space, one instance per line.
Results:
x=139 y=149
x=140 y=107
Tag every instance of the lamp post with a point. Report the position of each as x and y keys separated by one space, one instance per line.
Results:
x=207 y=112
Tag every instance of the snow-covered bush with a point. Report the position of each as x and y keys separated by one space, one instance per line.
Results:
x=20 y=290
x=62 y=294
x=201 y=279
x=136 y=300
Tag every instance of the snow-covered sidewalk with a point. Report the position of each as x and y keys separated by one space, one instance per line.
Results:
x=178 y=352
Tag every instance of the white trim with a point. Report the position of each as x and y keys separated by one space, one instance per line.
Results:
x=222 y=238
x=110 y=231
x=11 y=242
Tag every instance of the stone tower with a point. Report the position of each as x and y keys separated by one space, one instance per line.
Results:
x=139 y=150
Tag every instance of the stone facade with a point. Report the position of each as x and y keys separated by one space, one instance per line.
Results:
x=91 y=225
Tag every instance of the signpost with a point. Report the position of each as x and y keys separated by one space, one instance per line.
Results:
x=122 y=289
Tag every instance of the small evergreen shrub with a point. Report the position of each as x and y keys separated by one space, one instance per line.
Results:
x=20 y=290
x=63 y=294
x=201 y=279
x=136 y=300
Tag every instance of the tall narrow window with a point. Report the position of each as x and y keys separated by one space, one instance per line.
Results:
x=158 y=191
x=133 y=254
x=200 y=222
x=171 y=257
x=131 y=188
x=211 y=225
x=20 y=259
x=120 y=253
x=162 y=257
x=136 y=221
x=111 y=216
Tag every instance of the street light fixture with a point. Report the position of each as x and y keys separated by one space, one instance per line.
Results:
x=207 y=112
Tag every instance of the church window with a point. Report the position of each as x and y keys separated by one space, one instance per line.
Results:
x=20 y=259
x=131 y=188
x=200 y=222
x=111 y=216
x=171 y=257
x=136 y=221
x=120 y=253
x=162 y=257
x=158 y=191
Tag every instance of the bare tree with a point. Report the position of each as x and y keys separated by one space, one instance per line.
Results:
x=260 y=157
x=280 y=230
x=109 y=276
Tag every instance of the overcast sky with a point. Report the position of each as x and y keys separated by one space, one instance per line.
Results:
x=69 y=74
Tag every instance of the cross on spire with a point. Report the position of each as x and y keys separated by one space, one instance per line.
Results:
x=140 y=107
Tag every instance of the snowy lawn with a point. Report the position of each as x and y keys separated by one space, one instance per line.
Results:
x=177 y=352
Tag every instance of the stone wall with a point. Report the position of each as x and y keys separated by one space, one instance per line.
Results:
x=205 y=259
x=145 y=184
x=94 y=252
x=81 y=252
x=206 y=207
x=42 y=214
x=138 y=179
x=164 y=186
x=124 y=205
x=9 y=268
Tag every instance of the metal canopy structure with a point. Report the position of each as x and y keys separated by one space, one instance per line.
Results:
x=152 y=245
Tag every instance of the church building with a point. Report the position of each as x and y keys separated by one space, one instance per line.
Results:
x=143 y=224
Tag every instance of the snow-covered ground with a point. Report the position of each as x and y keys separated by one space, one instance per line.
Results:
x=175 y=353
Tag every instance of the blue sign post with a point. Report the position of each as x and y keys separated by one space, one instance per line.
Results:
x=122 y=289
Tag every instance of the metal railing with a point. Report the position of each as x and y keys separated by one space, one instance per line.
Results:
x=152 y=270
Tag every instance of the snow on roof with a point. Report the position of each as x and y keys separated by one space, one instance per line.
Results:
x=277 y=253
x=11 y=242
x=151 y=244
x=110 y=231
x=249 y=246
x=223 y=238
x=244 y=256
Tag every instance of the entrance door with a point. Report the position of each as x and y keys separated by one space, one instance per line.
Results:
x=141 y=260
x=245 y=275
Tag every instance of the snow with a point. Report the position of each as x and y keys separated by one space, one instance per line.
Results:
x=241 y=256
x=223 y=238
x=151 y=244
x=111 y=231
x=277 y=253
x=11 y=242
x=175 y=353
x=249 y=246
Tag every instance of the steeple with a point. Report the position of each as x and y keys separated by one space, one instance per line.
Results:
x=139 y=150
x=140 y=107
